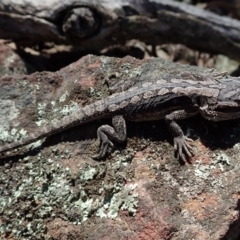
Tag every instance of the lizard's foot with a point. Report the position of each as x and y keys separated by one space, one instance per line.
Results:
x=105 y=145
x=180 y=144
x=116 y=133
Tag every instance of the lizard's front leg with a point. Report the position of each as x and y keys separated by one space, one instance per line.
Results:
x=180 y=141
x=106 y=133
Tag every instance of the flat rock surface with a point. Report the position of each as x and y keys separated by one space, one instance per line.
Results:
x=140 y=191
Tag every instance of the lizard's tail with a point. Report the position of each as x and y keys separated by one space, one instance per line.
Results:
x=89 y=113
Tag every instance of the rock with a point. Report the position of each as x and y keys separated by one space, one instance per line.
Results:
x=140 y=191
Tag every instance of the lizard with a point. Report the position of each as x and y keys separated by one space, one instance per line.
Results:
x=171 y=98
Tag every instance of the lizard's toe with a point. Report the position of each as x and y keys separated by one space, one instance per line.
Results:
x=180 y=145
x=105 y=145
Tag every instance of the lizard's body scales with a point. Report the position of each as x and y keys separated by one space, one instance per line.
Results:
x=172 y=99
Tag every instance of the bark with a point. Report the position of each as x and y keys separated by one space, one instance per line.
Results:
x=95 y=25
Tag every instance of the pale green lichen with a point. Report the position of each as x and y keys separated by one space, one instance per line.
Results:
x=222 y=159
x=123 y=200
x=220 y=162
x=88 y=173
x=46 y=183
x=64 y=111
x=64 y=97
x=202 y=171
x=94 y=93
x=23 y=83
x=40 y=122
x=41 y=114
x=37 y=87
x=13 y=135
x=126 y=67
x=23 y=132
x=4 y=136
x=84 y=207
x=135 y=72
x=53 y=103
x=41 y=109
x=68 y=109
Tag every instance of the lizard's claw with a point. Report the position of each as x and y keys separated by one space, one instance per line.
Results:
x=180 y=144
x=105 y=145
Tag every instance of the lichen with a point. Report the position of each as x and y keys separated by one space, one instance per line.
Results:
x=68 y=109
x=51 y=190
x=41 y=109
x=123 y=200
x=41 y=114
x=135 y=72
x=43 y=187
x=94 y=93
x=13 y=135
x=89 y=173
x=64 y=97
x=220 y=162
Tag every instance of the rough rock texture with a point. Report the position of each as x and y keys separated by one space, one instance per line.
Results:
x=56 y=191
x=10 y=62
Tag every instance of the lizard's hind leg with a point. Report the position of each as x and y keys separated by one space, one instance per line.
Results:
x=106 y=133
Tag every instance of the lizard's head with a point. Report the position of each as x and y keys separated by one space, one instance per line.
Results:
x=230 y=89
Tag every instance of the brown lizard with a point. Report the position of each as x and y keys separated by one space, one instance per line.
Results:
x=171 y=99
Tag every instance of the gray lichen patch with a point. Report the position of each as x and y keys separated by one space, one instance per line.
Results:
x=12 y=135
x=219 y=162
x=89 y=173
x=122 y=200
x=64 y=97
x=57 y=111
x=95 y=93
x=43 y=189
x=68 y=109
x=41 y=114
